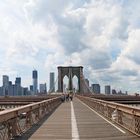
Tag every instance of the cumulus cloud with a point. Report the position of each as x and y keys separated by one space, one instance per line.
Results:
x=101 y=35
x=132 y=50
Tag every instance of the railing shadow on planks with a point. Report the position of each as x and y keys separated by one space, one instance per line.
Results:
x=15 y=122
x=126 y=116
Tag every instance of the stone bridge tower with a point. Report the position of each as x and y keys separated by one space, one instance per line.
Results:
x=70 y=72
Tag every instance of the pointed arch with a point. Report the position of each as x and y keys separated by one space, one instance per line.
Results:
x=65 y=83
x=75 y=83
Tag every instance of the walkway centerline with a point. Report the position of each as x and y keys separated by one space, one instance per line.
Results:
x=75 y=133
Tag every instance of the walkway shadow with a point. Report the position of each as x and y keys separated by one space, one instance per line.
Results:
x=35 y=127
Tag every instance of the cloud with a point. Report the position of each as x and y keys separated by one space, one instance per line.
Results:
x=129 y=72
x=101 y=35
x=132 y=50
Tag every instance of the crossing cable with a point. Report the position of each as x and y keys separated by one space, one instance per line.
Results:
x=84 y=83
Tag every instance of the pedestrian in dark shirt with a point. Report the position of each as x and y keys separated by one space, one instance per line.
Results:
x=63 y=98
x=67 y=97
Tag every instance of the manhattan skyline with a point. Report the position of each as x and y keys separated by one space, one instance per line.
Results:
x=100 y=35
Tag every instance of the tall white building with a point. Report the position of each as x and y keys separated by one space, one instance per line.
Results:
x=35 y=81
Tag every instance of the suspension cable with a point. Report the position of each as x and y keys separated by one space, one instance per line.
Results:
x=85 y=84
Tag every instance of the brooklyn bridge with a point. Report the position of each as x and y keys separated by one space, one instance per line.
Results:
x=87 y=116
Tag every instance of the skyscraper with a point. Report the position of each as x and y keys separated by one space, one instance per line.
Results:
x=18 y=89
x=31 y=89
x=18 y=81
x=5 y=80
x=107 y=89
x=43 y=88
x=35 y=81
x=5 y=84
x=10 y=89
x=95 y=88
x=52 y=86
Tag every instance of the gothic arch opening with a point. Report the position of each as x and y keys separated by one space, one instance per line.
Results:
x=70 y=72
x=75 y=84
x=65 y=83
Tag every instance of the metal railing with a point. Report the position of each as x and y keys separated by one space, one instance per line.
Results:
x=126 y=116
x=15 y=122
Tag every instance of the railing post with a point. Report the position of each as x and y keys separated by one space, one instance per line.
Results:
x=13 y=128
x=102 y=109
x=28 y=119
x=37 y=114
x=137 y=124
x=43 y=110
x=120 y=114
x=109 y=112
x=106 y=110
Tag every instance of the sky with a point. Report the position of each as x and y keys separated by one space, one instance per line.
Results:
x=101 y=35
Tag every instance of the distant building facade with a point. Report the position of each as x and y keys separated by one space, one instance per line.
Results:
x=5 y=85
x=35 y=81
x=114 y=91
x=52 y=84
x=43 y=88
x=18 y=88
x=1 y=91
x=18 y=81
x=95 y=88
x=31 y=90
x=25 y=91
x=107 y=89
x=9 y=89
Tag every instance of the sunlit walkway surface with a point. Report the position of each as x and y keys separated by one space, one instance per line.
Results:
x=75 y=121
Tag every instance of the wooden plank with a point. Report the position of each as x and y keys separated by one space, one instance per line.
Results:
x=58 y=125
x=90 y=125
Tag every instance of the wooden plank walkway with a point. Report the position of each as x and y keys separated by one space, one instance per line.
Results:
x=90 y=126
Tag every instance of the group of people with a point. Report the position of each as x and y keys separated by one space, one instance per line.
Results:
x=67 y=97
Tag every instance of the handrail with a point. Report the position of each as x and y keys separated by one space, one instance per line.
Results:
x=17 y=111
x=122 y=107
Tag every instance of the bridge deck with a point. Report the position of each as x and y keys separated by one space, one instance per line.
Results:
x=62 y=125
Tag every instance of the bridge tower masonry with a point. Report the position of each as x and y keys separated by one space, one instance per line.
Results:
x=70 y=72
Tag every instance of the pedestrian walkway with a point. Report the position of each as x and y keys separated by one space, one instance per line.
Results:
x=57 y=126
x=75 y=121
